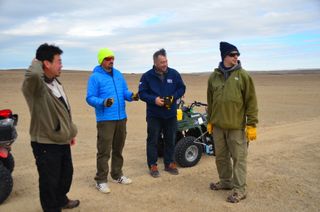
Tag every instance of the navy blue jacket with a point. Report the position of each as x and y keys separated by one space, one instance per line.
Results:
x=151 y=86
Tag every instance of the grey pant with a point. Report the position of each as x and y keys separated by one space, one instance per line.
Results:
x=231 y=158
x=110 y=140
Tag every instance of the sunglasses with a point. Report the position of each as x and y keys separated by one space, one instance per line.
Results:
x=109 y=58
x=234 y=54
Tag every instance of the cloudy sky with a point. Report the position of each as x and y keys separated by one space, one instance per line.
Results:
x=270 y=35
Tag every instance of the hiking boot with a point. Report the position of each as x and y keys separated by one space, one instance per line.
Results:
x=219 y=186
x=236 y=197
x=103 y=187
x=71 y=204
x=172 y=168
x=154 y=171
x=123 y=180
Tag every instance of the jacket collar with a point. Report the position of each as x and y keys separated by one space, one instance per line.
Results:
x=100 y=69
x=156 y=72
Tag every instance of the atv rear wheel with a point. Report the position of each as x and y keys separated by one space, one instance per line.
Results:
x=6 y=183
x=187 y=152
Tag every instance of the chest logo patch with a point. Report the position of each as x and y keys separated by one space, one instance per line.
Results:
x=169 y=80
x=236 y=78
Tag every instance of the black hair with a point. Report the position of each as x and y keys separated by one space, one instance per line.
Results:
x=161 y=52
x=47 y=52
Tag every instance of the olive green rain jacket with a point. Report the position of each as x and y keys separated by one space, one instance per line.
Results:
x=232 y=102
x=51 y=121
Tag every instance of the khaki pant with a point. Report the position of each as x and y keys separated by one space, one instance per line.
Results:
x=231 y=158
x=110 y=140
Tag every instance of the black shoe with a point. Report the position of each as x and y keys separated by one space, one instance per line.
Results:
x=154 y=171
x=172 y=169
x=71 y=204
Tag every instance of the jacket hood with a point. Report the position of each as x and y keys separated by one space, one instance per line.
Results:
x=226 y=72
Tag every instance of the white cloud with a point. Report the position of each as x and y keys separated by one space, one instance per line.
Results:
x=103 y=27
x=35 y=27
x=189 y=30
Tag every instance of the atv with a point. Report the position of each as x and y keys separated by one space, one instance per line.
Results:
x=192 y=137
x=8 y=135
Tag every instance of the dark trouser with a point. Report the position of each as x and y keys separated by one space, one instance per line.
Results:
x=168 y=127
x=231 y=144
x=111 y=136
x=55 y=170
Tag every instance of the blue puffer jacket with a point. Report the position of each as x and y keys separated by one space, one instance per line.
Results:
x=101 y=86
x=151 y=86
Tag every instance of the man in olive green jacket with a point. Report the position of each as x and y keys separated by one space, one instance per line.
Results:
x=232 y=119
x=51 y=128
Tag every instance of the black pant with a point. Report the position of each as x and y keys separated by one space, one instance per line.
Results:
x=55 y=170
x=168 y=127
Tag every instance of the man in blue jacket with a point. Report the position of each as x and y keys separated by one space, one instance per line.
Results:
x=160 y=87
x=107 y=91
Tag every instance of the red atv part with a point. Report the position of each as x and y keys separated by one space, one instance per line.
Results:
x=4 y=152
x=6 y=113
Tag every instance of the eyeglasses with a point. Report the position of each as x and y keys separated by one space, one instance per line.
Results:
x=234 y=54
x=109 y=58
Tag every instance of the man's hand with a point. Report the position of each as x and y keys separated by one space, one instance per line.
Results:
x=108 y=102
x=209 y=128
x=135 y=97
x=251 y=133
x=168 y=101
x=159 y=101
x=73 y=142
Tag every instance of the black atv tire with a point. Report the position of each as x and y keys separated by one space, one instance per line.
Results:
x=187 y=153
x=8 y=162
x=6 y=183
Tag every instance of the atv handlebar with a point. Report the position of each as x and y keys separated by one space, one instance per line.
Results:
x=198 y=104
x=193 y=104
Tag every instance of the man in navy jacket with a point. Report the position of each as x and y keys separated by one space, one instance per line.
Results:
x=160 y=87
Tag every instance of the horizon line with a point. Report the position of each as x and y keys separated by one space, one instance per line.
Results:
x=201 y=72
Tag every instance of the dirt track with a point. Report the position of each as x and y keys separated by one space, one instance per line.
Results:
x=283 y=165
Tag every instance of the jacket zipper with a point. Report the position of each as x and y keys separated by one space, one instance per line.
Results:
x=117 y=97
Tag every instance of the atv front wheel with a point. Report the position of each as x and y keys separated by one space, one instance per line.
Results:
x=187 y=152
x=6 y=183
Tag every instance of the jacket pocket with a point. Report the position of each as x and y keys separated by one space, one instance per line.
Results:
x=61 y=132
x=58 y=127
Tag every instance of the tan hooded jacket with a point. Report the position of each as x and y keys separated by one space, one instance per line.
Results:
x=51 y=121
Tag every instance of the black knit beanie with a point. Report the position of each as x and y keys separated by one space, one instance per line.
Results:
x=226 y=48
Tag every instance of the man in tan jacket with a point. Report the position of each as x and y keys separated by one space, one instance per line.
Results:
x=51 y=129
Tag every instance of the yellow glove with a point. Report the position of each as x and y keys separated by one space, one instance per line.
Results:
x=251 y=133
x=209 y=128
